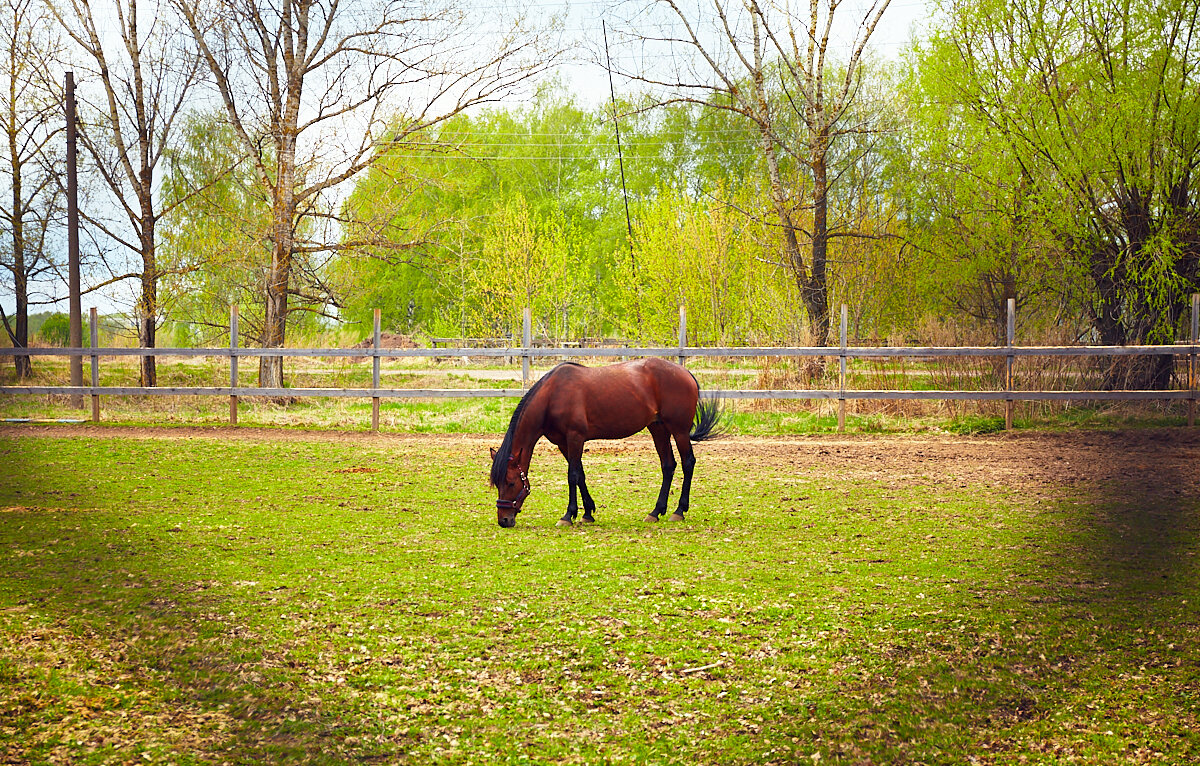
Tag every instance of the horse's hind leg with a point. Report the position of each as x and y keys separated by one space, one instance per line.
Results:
x=687 y=460
x=662 y=443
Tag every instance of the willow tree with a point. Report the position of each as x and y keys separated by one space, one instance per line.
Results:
x=214 y=243
x=1099 y=102
x=310 y=87
x=971 y=210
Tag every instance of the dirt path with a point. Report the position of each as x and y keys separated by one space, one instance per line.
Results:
x=1150 y=463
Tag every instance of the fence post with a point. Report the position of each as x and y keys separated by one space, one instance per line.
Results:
x=682 y=333
x=526 y=344
x=1192 y=371
x=375 y=377
x=95 y=336
x=842 y=375
x=1008 y=365
x=233 y=364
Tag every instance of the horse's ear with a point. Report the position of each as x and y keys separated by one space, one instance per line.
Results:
x=493 y=451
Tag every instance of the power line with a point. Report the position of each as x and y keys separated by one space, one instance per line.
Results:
x=449 y=147
x=612 y=157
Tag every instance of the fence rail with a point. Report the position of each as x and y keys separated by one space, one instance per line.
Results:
x=691 y=352
x=527 y=353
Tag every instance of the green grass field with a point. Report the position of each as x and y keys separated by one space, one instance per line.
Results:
x=341 y=600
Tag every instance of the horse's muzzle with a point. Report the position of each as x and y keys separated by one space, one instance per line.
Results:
x=507 y=510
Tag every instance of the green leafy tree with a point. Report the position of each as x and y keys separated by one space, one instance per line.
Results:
x=56 y=331
x=973 y=216
x=707 y=256
x=459 y=194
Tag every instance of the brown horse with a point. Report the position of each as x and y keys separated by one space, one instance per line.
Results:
x=573 y=404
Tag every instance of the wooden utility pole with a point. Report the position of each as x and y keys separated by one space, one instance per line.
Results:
x=75 y=338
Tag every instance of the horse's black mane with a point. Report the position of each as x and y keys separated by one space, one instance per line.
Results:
x=500 y=461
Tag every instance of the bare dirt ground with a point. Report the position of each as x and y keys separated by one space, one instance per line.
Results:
x=1149 y=464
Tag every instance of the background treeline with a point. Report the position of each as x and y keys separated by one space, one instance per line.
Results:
x=1017 y=153
x=1042 y=152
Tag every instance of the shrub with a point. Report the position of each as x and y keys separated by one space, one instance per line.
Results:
x=56 y=331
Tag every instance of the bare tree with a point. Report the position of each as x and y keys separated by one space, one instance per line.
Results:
x=311 y=87
x=32 y=118
x=145 y=78
x=777 y=66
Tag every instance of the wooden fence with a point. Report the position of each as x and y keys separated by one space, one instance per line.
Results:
x=681 y=353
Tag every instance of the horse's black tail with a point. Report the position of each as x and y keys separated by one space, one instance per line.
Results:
x=707 y=425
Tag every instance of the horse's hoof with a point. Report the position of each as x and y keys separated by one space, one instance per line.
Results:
x=588 y=520
x=676 y=517
x=564 y=522
x=651 y=517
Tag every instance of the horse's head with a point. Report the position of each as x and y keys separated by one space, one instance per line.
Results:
x=513 y=488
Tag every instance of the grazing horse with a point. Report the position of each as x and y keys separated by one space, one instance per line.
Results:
x=573 y=404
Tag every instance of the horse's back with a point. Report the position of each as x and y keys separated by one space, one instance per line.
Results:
x=618 y=400
x=652 y=379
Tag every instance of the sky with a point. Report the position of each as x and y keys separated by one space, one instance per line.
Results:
x=584 y=77
x=903 y=20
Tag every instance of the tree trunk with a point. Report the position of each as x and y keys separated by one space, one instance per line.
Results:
x=283 y=208
x=1113 y=310
x=815 y=293
x=812 y=290
x=20 y=336
x=148 y=304
x=270 y=368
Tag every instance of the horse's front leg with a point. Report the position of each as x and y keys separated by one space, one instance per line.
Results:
x=577 y=485
x=572 y=503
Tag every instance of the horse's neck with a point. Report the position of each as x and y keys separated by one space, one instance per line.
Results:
x=529 y=430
